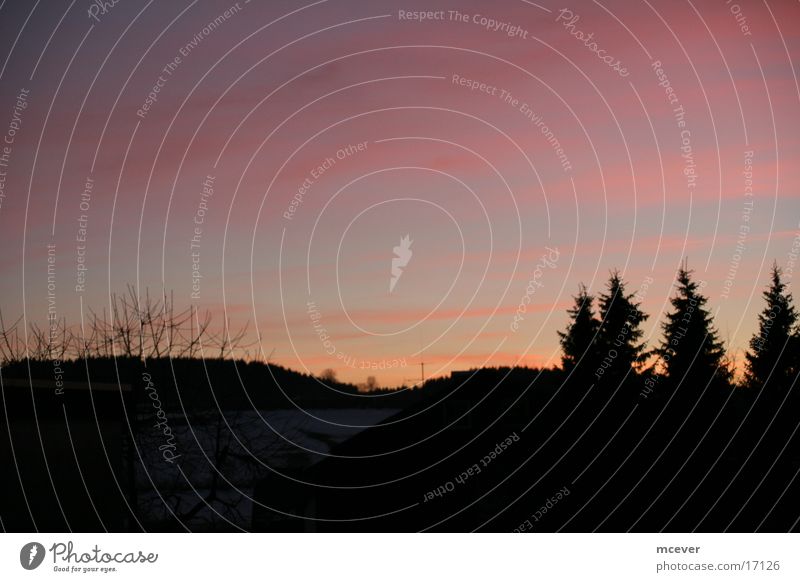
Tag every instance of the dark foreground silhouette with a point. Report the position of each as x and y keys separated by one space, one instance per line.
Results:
x=493 y=450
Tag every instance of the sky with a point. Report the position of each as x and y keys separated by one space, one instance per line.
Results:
x=263 y=161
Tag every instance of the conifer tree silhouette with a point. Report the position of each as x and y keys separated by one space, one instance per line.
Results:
x=691 y=351
x=619 y=339
x=578 y=340
x=772 y=348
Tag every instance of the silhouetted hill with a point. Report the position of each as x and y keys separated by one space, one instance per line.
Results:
x=198 y=384
x=531 y=450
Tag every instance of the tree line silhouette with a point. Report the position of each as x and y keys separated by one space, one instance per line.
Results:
x=606 y=343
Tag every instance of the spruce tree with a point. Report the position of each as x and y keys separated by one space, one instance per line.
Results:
x=772 y=347
x=577 y=342
x=691 y=349
x=619 y=339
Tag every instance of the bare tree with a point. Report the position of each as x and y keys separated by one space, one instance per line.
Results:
x=133 y=327
x=11 y=348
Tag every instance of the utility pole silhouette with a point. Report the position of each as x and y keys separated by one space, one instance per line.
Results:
x=421 y=379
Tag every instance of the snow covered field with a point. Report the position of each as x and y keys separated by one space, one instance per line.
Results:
x=202 y=470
